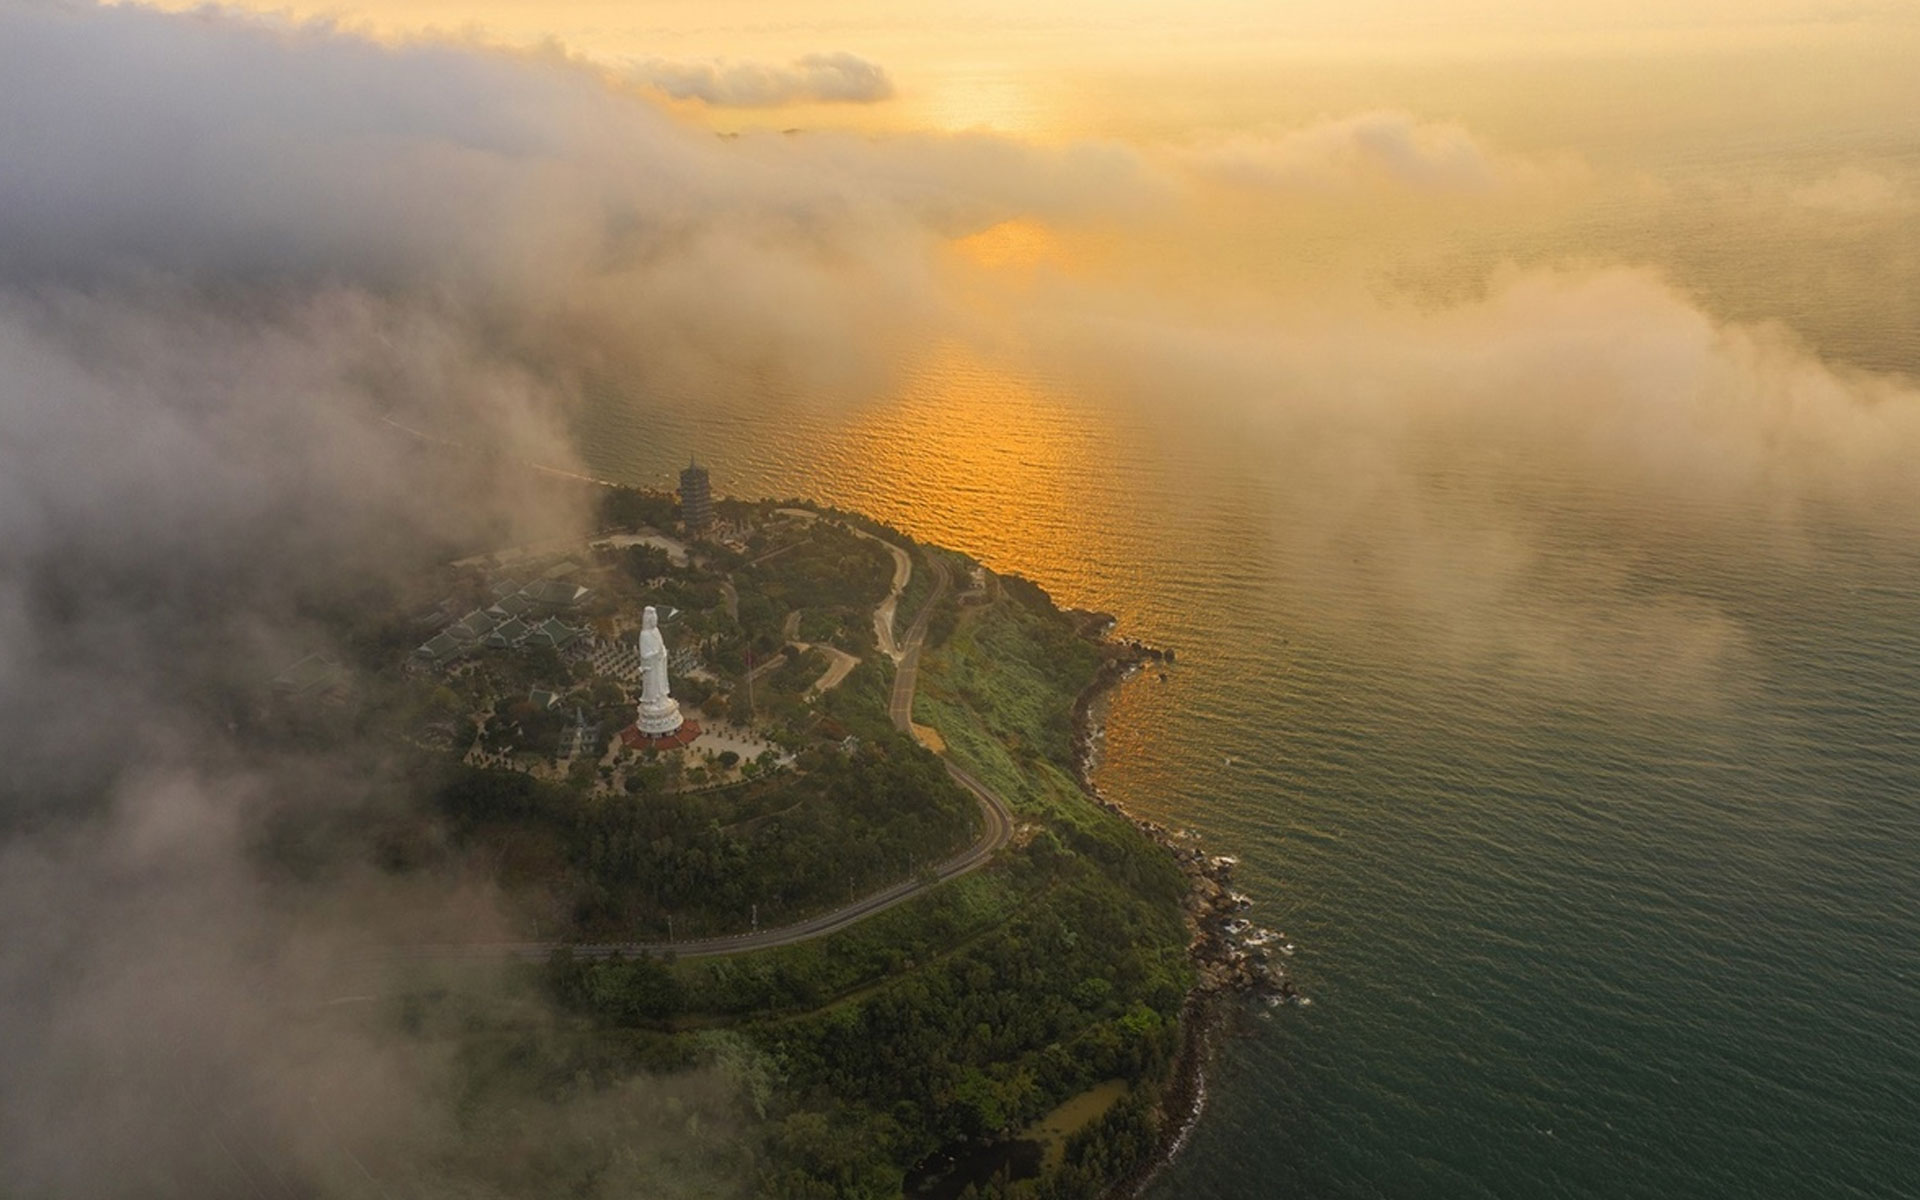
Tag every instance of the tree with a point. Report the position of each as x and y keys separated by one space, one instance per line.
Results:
x=644 y=562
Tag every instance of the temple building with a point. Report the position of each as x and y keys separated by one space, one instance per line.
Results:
x=696 y=498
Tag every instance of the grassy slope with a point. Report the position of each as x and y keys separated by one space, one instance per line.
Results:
x=1001 y=691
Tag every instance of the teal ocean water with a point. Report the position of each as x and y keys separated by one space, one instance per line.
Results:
x=1589 y=932
x=1554 y=953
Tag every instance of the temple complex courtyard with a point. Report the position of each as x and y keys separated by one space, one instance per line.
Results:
x=541 y=658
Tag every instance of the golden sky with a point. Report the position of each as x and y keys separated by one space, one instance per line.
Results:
x=1133 y=67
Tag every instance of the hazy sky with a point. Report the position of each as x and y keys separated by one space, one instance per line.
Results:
x=598 y=24
x=1140 y=68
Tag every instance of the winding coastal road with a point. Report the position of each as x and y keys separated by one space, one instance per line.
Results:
x=997 y=828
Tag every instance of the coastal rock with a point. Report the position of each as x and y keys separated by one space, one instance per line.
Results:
x=1220 y=937
x=1224 y=963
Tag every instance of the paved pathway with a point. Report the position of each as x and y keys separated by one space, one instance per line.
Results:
x=840 y=664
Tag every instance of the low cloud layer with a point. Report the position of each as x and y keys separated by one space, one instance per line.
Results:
x=187 y=485
x=837 y=78
x=1854 y=192
x=1372 y=152
x=1433 y=472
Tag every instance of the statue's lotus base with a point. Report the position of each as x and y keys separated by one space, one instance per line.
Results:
x=637 y=739
x=658 y=717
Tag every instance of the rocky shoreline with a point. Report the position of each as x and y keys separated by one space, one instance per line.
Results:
x=1230 y=954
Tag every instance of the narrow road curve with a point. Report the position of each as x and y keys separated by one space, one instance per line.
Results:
x=996 y=822
x=883 y=615
x=997 y=828
x=907 y=674
x=840 y=664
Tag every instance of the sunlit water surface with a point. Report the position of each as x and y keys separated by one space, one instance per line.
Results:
x=1585 y=923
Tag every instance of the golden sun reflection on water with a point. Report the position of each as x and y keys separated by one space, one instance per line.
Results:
x=962 y=98
x=973 y=454
x=1017 y=244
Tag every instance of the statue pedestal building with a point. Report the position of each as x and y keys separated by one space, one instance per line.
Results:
x=659 y=717
x=657 y=724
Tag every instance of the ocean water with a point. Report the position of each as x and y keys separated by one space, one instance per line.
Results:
x=1553 y=953
x=1593 y=808
x=1568 y=930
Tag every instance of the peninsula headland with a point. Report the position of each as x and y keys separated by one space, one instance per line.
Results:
x=847 y=897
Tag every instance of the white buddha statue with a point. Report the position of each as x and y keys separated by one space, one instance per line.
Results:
x=659 y=712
